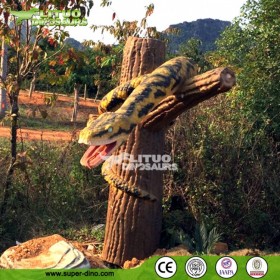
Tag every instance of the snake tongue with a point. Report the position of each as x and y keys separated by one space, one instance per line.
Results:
x=96 y=155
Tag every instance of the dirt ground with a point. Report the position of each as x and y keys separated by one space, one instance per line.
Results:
x=31 y=134
x=60 y=113
x=38 y=246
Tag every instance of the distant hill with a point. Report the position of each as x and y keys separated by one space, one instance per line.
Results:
x=206 y=30
x=73 y=43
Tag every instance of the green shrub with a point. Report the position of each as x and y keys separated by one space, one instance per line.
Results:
x=228 y=173
x=52 y=192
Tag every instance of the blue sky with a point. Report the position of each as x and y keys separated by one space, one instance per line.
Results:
x=166 y=12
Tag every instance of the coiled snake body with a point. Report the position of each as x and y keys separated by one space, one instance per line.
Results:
x=125 y=107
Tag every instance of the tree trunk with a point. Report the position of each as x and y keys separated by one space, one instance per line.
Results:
x=3 y=73
x=133 y=225
x=76 y=103
x=141 y=56
x=32 y=85
x=85 y=92
x=10 y=172
x=98 y=91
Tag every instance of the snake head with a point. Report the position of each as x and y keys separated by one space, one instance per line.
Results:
x=104 y=135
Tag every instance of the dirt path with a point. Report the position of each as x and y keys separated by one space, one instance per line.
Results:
x=46 y=135
x=62 y=111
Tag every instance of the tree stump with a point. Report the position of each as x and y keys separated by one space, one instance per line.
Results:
x=133 y=224
x=141 y=56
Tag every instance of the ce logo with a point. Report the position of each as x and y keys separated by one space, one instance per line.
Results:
x=165 y=267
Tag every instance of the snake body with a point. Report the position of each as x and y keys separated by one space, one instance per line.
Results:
x=125 y=107
x=116 y=97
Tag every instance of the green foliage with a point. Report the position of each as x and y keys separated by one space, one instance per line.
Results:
x=228 y=173
x=205 y=240
x=193 y=49
x=52 y=192
x=180 y=228
x=252 y=47
x=95 y=66
x=122 y=29
x=227 y=149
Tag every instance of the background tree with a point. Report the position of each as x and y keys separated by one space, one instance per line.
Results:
x=97 y=67
x=24 y=40
x=229 y=162
x=251 y=45
x=122 y=29
x=193 y=49
x=3 y=75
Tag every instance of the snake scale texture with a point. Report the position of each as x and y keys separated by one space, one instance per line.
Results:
x=122 y=109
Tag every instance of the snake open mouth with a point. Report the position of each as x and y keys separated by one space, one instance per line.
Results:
x=97 y=154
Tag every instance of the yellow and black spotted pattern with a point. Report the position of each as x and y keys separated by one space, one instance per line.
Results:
x=136 y=98
x=127 y=105
x=116 y=97
x=122 y=185
x=140 y=96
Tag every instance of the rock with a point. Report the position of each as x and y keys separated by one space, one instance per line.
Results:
x=220 y=248
x=44 y=253
x=246 y=252
x=180 y=250
x=130 y=264
x=90 y=247
x=160 y=252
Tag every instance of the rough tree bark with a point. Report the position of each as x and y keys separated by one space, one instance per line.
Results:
x=3 y=74
x=133 y=225
x=131 y=220
x=141 y=56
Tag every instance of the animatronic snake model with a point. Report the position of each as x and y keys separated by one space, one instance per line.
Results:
x=126 y=106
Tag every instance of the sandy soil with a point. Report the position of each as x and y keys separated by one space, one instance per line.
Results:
x=29 y=134
x=61 y=111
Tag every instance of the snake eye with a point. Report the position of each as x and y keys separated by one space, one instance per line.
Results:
x=110 y=129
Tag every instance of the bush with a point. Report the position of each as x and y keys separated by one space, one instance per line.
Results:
x=228 y=173
x=52 y=192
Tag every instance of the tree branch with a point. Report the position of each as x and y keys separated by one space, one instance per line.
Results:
x=3 y=81
x=35 y=66
x=194 y=91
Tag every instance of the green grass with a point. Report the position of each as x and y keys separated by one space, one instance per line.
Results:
x=48 y=124
x=56 y=119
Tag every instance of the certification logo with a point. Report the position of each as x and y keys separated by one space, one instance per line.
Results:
x=257 y=267
x=196 y=267
x=165 y=267
x=226 y=267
